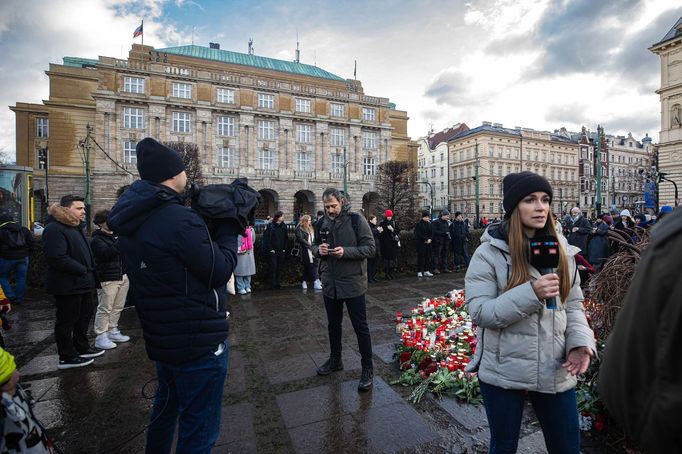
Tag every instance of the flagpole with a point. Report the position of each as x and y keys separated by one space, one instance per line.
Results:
x=143 y=32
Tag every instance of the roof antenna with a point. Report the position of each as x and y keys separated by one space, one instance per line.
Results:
x=298 y=52
x=250 y=46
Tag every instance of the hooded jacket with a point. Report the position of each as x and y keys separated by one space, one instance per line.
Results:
x=345 y=277
x=107 y=257
x=70 y=266
x=177 y=272
x=12 y=253
x=521 y=343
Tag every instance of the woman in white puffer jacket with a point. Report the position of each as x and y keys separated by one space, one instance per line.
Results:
x=524 y=347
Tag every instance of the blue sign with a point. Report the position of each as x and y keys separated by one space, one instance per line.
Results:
x=650 y=194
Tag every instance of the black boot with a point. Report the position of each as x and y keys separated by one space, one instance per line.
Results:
x=365 y=383
x=331 y=365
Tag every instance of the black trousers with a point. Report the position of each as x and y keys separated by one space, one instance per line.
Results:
x=372 y=268
x=423 y=259
x=74 y=313
x=309 y=269
x=440 y=255
x=276 y=263
x=357 y=312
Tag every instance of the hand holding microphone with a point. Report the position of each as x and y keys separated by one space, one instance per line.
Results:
x=544 y=255
x=546 y=287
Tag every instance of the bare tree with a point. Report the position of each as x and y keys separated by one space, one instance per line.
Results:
x=396 y=184
x=190 y=156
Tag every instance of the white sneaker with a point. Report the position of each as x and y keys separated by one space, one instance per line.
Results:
x=318 y=284
x=102 y=341
x=428 y=274
x=419 y=274
x=242 y=291
x=117 y=336
x=304 y=285
x=248 y=290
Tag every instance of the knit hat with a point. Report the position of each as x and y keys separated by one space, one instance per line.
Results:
x=156 y=162
x=516 y=186
x=425 y=213
x=7 y=366
x=444 y=213
x=389 y=213
x=625 y=213
x=666 y=209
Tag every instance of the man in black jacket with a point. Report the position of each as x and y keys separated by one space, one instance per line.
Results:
x=441 y=237
x=275 y=241
x=423 y=238
x=459 y=231
x=178 y=274
x=580 y=230
x=16 y=243
x=71 y=279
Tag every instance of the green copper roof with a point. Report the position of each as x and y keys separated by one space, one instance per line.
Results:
x=236 y=58
x=78 y=62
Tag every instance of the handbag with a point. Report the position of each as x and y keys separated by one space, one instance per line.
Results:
x=230 y=285
x=296 y=250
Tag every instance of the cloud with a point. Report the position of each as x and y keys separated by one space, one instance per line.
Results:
x=450 y=87
x=572 y=113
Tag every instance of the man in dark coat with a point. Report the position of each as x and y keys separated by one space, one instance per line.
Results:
x=580 y=230
x=423 y=239
x=275 y=240
x=343 y=242
x=389 y=235
x=71 y=279
x=459 y=232
x=178 y=273
x=372 y=261
x=640 y=379
x=16 y=243
x=441 y=237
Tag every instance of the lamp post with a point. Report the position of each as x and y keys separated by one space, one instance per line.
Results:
x=598 y=203
x=663 y=177
x=432 y=196
x=478 y=195
x=345 y=171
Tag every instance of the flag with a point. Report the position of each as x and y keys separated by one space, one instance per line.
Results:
x=355 y=70
x=138 y=31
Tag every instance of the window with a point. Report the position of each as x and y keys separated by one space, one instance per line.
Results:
x=370 y=166
x=303 y=161
x=129 y=153
x=181 y=122
x=337 y=162
x=226 y=95
x=226 y=126
x=369 y=114
x=302 y=105
x=182 y=90
x=266 y=159
x=491 y=189
x=133 y=118
x=442 y=171
x=304 y=133
x=338 y=137
x=338 y=110
x=369 y=139
x=266 y=130
x=266 y=101
x=226 y=157
x=442 y=157
x=491 y=151
x=133 y=84
x=42 y=127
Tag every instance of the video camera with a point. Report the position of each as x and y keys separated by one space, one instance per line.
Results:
x=234 y=203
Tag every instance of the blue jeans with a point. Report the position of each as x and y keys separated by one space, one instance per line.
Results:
x=190 y=395
x=242 y=282
x=557 y=413
x=20 y=268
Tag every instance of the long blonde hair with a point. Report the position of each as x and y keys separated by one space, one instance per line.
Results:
x=305 y=224
x=519 y=250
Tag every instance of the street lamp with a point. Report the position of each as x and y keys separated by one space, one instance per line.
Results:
x=432 y=196
x=662 y=176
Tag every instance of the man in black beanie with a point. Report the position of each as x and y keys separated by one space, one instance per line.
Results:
x=177 y=275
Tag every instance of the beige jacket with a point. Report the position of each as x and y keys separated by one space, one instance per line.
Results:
x=521 y=344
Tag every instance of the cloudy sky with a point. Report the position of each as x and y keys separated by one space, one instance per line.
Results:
x=541 y=64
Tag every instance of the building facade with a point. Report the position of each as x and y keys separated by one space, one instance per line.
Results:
x=669 y=49
x=291 y=129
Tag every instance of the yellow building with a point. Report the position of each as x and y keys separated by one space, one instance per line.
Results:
x=289 y=127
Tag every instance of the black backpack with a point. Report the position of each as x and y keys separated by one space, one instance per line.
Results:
x=13 y=239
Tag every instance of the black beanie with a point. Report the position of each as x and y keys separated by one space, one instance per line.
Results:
x=516 y=186
x=156 y=162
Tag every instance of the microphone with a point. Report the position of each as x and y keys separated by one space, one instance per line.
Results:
x=544 y=255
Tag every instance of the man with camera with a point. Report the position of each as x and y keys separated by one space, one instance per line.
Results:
x=178 y=273
x=344 y=242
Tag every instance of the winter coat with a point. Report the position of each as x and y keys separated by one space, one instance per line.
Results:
x=70 y=265
x=441 y=230
x=377 y=241
x=13 y=253
x=275 y=237
x=345 y=277
x=422 y=233
x=389 y=244
x=107 y=258
x=459 y=233
x=178 y=272
x=581 y=237
x=521 y=343
x=305 y=242
x=246 y=260
x=598 y=249
x=640 y=378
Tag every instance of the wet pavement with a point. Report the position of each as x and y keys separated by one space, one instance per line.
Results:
x=274 y=402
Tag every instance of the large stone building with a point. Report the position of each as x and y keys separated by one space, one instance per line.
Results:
x=669 y=49
x=291 y=128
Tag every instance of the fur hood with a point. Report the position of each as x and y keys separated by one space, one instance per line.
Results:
x=63 y=215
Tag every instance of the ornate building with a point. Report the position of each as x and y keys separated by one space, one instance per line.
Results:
x=669 y=49
x=291 y=128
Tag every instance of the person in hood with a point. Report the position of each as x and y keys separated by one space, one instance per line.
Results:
x=525 y=348
x=178 y=272
x=16 y=243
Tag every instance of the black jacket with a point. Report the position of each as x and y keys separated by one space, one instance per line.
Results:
x=440 y=230
x=177 y=271
x=640 y=378
x=377 y=241
x=13 y=253
x=422 y=233
x=107 y=258
x=580 y=237
x=389 y=244
x=459 y=232
x=275 y=237
x=70 y=265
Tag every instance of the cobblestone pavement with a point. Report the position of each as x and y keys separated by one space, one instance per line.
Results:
x=274 y=402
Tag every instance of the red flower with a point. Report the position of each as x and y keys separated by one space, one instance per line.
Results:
x=599 y=426
x=431 y=368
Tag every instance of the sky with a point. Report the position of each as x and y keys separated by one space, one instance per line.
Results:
x=540 y=64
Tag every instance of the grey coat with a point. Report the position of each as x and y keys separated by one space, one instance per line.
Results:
x=521 y=343
x=345 y=277
x=246 y=262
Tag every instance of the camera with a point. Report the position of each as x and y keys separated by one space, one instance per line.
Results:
x=326 y=237
x=234 y=203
